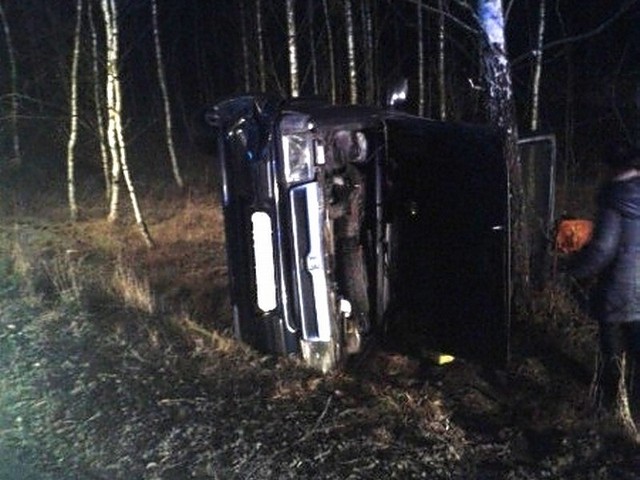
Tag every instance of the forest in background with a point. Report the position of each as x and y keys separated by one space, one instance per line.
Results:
x=117 y=360
x=588 y=76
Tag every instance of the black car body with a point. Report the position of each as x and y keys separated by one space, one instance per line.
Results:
x=343 y=221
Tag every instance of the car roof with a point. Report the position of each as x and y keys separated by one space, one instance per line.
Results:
x=325 y=115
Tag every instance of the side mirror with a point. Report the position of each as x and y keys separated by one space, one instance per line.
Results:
x=397 y=93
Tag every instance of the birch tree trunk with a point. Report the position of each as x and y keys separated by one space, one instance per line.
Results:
x=332 y=64
x=293 y=53
x=501 y=108
x=312 y=45
x=117 y=145
x=537 y=74
x=98 y=102
x=367 y=24
x=421 y=83
x=162 y=79
x=73 y=116
x=351 y=53
x=442 y=85
x=497 y=71
x=245 y=46
x=623 y=409
x=17 y=155
x=636 y=124
x=111 y=105
x=259 y=33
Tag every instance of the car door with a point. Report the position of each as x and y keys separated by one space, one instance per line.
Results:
x=452 y=270
x=450 y=221
x=538 y=160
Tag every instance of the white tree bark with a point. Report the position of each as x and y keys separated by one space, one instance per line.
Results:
x=261 y=64
x=111 y=105
x=73 y=116
x=332 y=64
x=636 y=130
x=17 y=155
x=501 y=108
x=162 y=79
x=421 y=82
x=442 y=84
x=623 y=405
x=312 y=45
x=97 y=100
x=115 y=136
x=537 y=74
x=245 y=46
x=351 y=53
x=498 y=81
x=293 y=51
x=369 y=51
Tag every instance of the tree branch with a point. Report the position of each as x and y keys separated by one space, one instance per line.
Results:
x=455 y=20
x=507 y=11
x=581 y=36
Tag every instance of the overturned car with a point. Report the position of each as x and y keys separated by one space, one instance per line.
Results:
x=346 y=222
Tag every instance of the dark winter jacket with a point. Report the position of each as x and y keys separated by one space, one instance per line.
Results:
x=613 y=254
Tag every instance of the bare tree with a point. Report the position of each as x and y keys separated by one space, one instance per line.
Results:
x=367 y=27
x=98 y=102
x=442 y=86
x=601 y=27
x=17 y=155
x=245 y=46
x=636 y=126
x=259 y=35
x=332 y=64
x=73 y=117
x=537 y=75
x=501 y=108
x=312 y=46
x=115 y=136
x=351 y=52
x=293 y=51
x=421 y=82
x=165 y=96
x=113 y=107
x=500 y=102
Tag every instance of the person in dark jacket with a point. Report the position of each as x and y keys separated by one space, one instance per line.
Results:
x=613 y=257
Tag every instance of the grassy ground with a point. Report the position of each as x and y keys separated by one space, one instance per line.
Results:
x=116 y=362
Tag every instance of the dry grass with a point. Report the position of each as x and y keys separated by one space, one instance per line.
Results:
x=205 y=339
x=133 y=289
x=145 y=381
x=63 y=272
x=22 y=265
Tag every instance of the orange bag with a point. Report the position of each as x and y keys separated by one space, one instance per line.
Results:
x=572 y=235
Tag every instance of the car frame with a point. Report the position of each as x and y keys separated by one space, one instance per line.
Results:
x=344 y=223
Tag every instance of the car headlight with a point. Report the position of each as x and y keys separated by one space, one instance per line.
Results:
x=298 y=162
x=264 y=261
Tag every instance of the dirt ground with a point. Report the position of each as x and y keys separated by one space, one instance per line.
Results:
x=99 y=383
